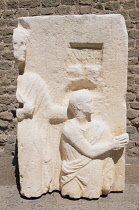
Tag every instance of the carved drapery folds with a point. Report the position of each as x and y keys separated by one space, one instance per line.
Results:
x=65 y=142
x=87 y=151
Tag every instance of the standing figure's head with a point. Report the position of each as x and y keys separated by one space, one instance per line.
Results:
x=20 y=37
x=81 y=100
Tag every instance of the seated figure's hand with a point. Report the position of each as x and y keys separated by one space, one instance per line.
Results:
x=120 y=141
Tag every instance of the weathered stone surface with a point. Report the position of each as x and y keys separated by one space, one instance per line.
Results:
x=85 y=2
x=58 y=63
x=5 y=99
x=34 y=12
x=137 y=26
x=124 y=13
x=135 y=88
x=4 y=82
x=134 y=15
x=13 y=107
x=22 y=12
x=135 y=121
x=6 y=116
x=5 y=65
x=99 y=6
x=1 y=47
x=8 y=90
x=48 y=11
x=85 y=10
x=2 y=74
x=2 y=140
x=129 y=24
x=1 y=32
x=50 y=3
x=9 y=148
x=137 y=96
x=64 y=10
x=133 y=53
x=12 y=4
x=12 y=23
x=137 y=3
x=134 y=137
x=11 y=139
x=131 y=144
x=11 y=131
x=8 y=56
x=101 y=1
x=8 y=31
x=134 y=34
x=131 y=43
x=3 y=107
x=128 y=122
x=137 y=43
x=131 y=114
x=133 y=69
x=68 y=2
x=131 y=129
x=3 y=124
x=12 y=75
x=29 y=3
x=7 y=39
x=130 y=96
x=134 y=152
x=112 y=6
x=135 y=105
x=2 y=5
x=130 y=82
x=133 y=61
x=137 y=79
x=8 y=14
x=129 y=4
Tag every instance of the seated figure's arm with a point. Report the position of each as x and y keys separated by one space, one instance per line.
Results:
x=76 y=139
x=93 y=151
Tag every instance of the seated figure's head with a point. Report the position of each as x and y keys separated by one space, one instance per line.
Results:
x=81 y=100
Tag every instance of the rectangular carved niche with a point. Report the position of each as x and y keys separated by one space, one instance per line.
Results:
x=86 y=53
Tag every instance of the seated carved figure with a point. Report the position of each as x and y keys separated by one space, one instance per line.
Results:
x=87 y=164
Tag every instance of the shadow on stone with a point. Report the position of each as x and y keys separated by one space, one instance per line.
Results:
x=15 y=163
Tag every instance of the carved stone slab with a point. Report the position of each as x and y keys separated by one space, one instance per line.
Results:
x=57 y=56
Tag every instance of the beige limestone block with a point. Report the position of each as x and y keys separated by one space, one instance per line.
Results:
x=56 y=56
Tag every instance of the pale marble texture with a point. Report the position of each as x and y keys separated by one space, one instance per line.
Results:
x=34 y=147
x=87 y=150
x=56 y=56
